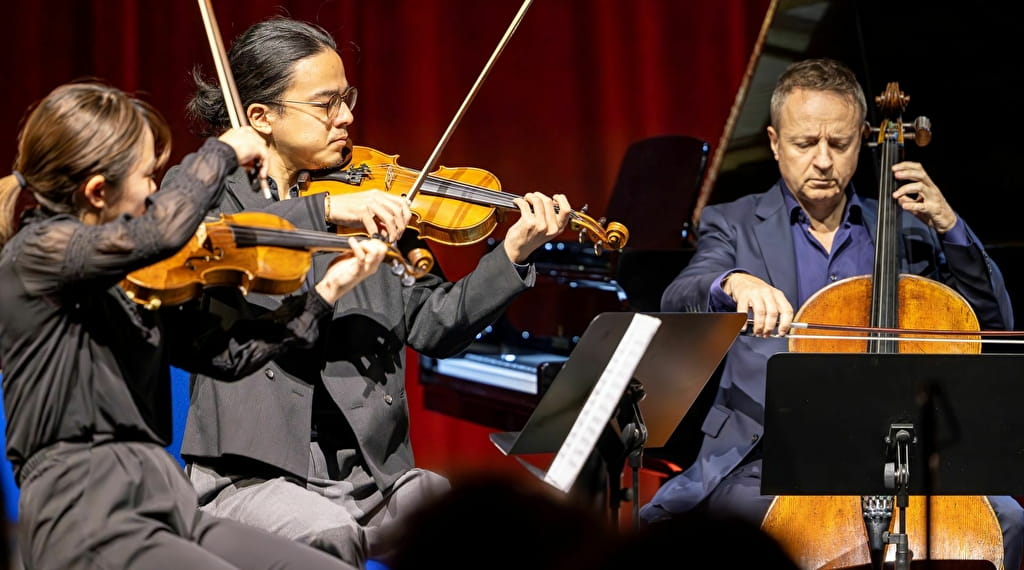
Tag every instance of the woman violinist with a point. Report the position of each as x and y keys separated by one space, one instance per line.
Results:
x=767 y=253
x=332 y=463
x=85 y=370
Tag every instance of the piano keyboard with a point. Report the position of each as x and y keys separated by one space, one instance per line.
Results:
x=516 y=372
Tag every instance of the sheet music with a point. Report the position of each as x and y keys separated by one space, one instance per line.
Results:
x=601 y=403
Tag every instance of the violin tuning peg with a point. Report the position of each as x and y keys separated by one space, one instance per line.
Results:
x=397 y=267
x=584 y=208
x=408 y=280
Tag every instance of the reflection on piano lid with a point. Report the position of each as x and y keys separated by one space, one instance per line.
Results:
x=510 y=370
x=499 y=379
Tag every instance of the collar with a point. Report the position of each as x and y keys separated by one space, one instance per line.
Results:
x=854 y=213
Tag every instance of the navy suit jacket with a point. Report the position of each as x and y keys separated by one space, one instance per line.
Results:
x=754 y=233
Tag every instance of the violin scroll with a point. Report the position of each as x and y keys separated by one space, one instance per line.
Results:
x=602 y=233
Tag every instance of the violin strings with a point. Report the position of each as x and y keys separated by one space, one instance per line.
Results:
x=447 y=187
x=243 y=232
x=468 y=192
x=308 y=238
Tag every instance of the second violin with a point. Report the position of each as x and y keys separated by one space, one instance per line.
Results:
x=455 y=206
x=254 y=251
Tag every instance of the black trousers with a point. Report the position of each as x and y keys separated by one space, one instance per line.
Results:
x=119 y=505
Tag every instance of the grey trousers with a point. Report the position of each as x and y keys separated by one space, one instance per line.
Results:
x=122 y=505
x=347 y=516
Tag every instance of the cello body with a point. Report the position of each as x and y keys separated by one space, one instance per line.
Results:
x=830 y=531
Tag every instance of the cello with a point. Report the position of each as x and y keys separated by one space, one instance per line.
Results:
x=833 y=531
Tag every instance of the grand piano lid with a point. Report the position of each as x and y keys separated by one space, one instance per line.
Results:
x=919 y=45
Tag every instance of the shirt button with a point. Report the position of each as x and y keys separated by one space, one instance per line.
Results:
x=754 y=438
x=833 y=277
x=269 y=373
x=388 y=399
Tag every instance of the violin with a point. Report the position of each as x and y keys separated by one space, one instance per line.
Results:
x=455 y=206
x=253 y=251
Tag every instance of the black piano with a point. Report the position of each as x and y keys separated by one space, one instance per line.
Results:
x=499 y=380
x=971 y=157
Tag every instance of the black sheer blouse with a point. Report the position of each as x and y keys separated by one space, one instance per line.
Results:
x=80 y=359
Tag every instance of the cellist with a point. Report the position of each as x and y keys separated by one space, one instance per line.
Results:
x=316 y=445
x=768 y=253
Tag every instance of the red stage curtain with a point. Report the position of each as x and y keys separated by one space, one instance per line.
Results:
x=578 y=82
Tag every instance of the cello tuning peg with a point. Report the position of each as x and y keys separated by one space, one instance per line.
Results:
x=397 y=267
x=584 y=208
x=408 y=280
x=598 y=248
x=922 y=131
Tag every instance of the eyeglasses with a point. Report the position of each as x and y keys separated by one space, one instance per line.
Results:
x=333 y=105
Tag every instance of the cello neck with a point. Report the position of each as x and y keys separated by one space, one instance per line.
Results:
x=885 y=275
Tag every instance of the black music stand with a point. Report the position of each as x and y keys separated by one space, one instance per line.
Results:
x=683 y=354
x=837 y=424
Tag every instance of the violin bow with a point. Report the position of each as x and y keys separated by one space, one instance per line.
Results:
x=236 y=113
x=432 y=159
x=871 y=331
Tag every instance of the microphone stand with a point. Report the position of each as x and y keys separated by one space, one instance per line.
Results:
x=898 y=475
x=634 y=436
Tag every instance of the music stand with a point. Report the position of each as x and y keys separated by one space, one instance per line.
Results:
x=830 y=421
x=680 y=358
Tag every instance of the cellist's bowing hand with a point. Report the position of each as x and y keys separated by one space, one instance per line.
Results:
x=538 y=224
x=766 y=305
x=250 y=148
x=349 y=269
x=921 y=197
x=373 y=211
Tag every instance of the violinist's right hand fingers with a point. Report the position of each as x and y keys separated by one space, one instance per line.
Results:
x=374 y=210
x=249 y=146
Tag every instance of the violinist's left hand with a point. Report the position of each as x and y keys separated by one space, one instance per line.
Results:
x=537 y=224
x=349 y=269
x=921 y=197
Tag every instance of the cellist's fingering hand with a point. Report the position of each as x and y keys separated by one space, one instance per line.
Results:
x=921 y=197
x=250 y=148
x=767 y=306
x=538 y=224
x=374 y=211
x=348 y=270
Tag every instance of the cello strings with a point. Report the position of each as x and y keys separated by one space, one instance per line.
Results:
x=899 y=339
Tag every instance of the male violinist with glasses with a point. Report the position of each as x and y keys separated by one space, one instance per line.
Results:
x=315 y=446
